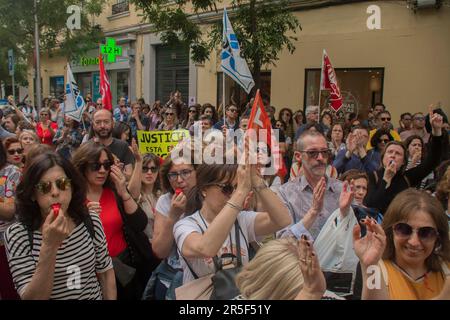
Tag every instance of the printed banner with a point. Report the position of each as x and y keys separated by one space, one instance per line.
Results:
x=160 y=143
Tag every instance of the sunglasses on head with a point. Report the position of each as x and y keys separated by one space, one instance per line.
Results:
x=95 y=166
x=62 y=184
x=14 y=151
x=404 y=230
x=226 y=188
x=152 y=169
x=315 y=153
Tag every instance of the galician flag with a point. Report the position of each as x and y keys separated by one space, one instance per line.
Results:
x=105 y=87
x=232 y=63
x=328 y=81
x=74 y=103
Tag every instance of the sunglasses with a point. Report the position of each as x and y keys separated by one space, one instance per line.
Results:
x=169 y=114
x=426 y=234
x=226 y=188
x=95 y=166
x=192 y=111
x=385 y=119
x=232 y=110
x=62 y=184
x=315 y=153
x=152 y=169
x=14 y=151
x=184 y=174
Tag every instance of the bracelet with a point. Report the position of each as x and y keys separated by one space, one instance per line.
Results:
x=260 y=187
x=234 y=206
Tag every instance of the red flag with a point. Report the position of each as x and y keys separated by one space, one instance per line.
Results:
x=105 y=88
x=329 y=82
x=260 y=120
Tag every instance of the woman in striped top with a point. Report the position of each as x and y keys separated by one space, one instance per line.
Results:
x=57 y=253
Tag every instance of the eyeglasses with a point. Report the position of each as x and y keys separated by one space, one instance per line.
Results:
x=419 y=118
x=426 y=234
x=184 y=174
x=14 y=151
x=62 y=184
x=152 y=169
x=95 y=166
x=226 y=188
x=385 y=119
x=315 y=153
x=169 y=113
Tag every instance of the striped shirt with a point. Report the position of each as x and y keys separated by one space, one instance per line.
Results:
x=78 y=259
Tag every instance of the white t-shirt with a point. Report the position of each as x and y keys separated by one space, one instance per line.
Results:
x=205 y=266
x=163 y=207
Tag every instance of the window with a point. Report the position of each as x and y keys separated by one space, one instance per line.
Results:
x=122 y=84
x=57 y=86
x=361 y=88
x=236 y=94
x=120 y=6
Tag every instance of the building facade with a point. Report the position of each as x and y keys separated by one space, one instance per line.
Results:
x=404 y=63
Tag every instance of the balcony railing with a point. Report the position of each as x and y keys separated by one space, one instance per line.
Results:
x=120 y=7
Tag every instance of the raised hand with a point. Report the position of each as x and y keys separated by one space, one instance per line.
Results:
x=390 y=172
x=346 y=198
x=314 y=284
x=370 y=248
x=119 y=180
x=436 y=122
x=94 y=207
x=135 y=149
x=318 y=195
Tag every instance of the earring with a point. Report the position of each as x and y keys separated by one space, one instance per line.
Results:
x=203 y=194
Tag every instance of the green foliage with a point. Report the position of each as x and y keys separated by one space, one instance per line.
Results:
x=17 y=29
x=264 y=28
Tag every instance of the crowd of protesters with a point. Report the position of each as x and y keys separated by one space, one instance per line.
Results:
x=85 y=215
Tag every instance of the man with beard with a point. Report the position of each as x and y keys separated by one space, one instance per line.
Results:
x=102 y=125
x=312 y=197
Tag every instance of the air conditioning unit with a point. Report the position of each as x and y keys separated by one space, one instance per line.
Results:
x=422 y=4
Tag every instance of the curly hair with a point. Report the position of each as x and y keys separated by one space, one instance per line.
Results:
x=376 y=138
x=28 y=211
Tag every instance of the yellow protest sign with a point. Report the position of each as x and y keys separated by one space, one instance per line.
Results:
x=159 y=142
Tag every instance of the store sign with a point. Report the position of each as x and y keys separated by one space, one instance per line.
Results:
x=111 y=50
x=89 y=61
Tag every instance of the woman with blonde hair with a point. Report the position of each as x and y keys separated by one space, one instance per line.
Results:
x=283 y=269
x=28 y=139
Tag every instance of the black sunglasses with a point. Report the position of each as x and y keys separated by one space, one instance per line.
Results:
x=152 y=169
x=169 y=114
x=226 y=188
x=315 y=153
x=14 y=151
x=62 y=184
x=385 y=119
x=95 y=166
x=404 y=230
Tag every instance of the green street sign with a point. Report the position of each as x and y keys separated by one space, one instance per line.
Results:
x=111 y=50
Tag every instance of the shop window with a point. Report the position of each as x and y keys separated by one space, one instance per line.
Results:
x=57 y=87
x=122 y=84
x=361 y=88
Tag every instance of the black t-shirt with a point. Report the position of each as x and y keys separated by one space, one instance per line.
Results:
x=121 y=150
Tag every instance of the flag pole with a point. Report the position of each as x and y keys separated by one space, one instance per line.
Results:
x=320 y=84
x=223 y=98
